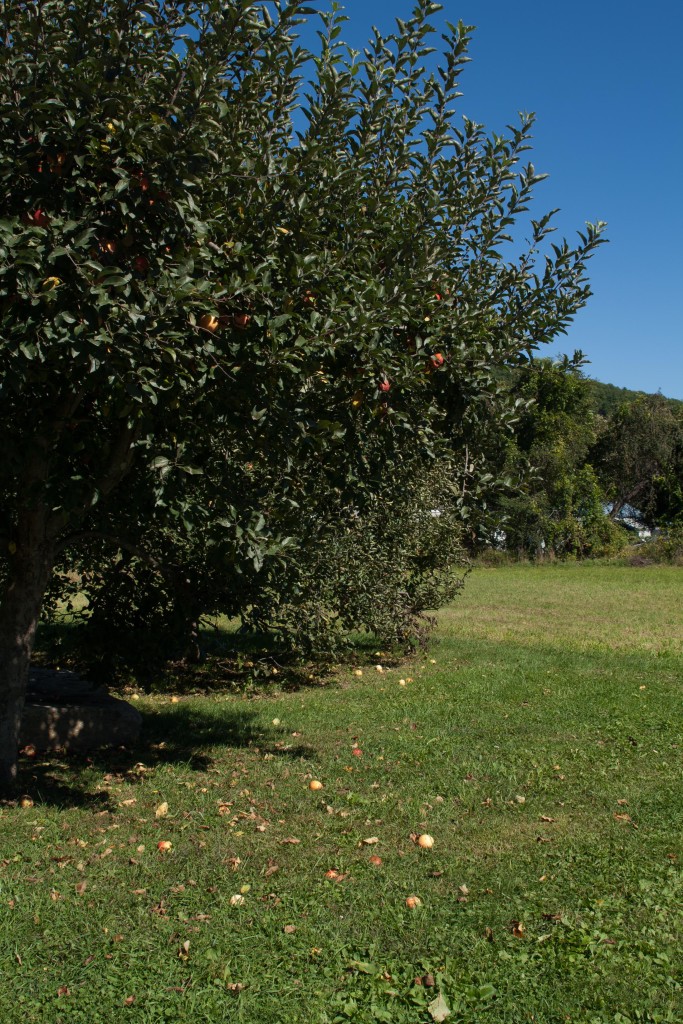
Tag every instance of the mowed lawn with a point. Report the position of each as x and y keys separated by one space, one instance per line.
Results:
x=538 y=741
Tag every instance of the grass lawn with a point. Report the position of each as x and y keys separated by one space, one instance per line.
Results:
x=538 y=742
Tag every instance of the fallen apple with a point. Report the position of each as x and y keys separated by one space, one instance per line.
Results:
x=375 y=860
x=315 y=784
x=412 y=902
x=164 y=845
x=425 y=841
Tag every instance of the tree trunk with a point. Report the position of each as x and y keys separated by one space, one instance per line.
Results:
x=30 y=566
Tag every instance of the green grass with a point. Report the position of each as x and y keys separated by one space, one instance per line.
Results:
x=552 y=707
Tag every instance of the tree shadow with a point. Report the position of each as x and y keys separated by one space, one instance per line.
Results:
x=184 y=736
x=232 y=660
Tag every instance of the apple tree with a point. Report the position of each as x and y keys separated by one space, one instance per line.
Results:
x=210 y=239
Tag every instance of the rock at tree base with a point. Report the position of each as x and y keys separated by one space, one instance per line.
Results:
x=64 y=712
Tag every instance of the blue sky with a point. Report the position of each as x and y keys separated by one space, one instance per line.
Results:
x=604 y=79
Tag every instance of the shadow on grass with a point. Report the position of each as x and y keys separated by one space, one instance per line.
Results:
x=186 y=736
x=233 y=660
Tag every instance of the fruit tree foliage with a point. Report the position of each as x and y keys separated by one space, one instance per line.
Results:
x=183 y=262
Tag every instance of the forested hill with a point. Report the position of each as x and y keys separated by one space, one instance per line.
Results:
x=607 y=398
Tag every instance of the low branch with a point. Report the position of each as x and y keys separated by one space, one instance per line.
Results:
x=119 y=542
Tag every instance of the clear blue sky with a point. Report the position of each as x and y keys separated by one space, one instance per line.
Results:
x=605 y=80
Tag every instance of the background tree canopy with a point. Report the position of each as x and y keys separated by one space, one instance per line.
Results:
x=216 y=327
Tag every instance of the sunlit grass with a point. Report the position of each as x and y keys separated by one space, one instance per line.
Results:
x=538 y=742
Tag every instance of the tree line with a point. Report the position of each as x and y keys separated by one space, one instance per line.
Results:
x=583 y=457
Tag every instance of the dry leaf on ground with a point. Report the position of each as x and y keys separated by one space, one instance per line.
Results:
x=439 y=1009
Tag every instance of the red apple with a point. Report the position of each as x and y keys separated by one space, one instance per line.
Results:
x=241 y=320
x=37 y=219
x=56 y=163
x=437 y=360
x=384 y=385
x=141 y=264
x=208 y=322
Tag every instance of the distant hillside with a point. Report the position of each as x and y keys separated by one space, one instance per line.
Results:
x=608 y=397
